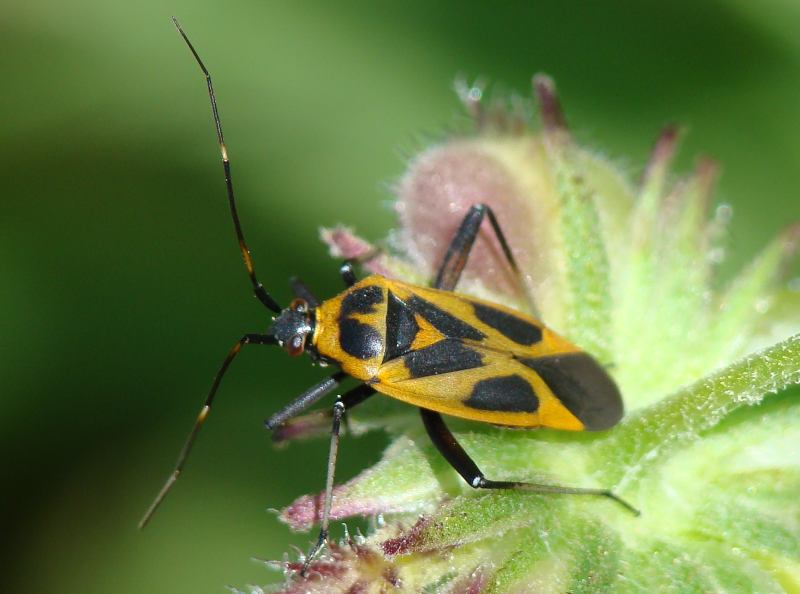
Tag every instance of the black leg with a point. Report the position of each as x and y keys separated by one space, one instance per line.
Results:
x=338 y=412
x=258 y=288
x=353 y=398
x=346 y=271
x=306 y=399
x=356 y=396
x=457 y=253
x=301 y=290
x=345 y=402
x=452 y=451
x=288 y=428
x=201 y=417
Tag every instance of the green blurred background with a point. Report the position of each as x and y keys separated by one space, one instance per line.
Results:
x=122 y=286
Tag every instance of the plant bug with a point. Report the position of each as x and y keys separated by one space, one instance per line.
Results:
x=441 y=351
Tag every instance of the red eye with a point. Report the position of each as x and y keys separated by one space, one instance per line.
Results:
x=298 y=304
x=295 y=345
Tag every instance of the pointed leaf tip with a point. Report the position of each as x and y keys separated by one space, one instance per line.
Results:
x=313 y=424
x=553 y=120
x=406 y=542
x=666 y=143
x=305 y=511
x=661 y=156
x=470 y=96
x=706 y=174
x=791 y=240
x=343 y=243
x=789 y=244
x=475 y=583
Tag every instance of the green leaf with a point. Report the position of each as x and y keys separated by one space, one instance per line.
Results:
x=744 y=299
x=472 y=518
x=648 y=436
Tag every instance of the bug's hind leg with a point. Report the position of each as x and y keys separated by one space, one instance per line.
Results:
x=457 y=254
x=452 y=451
x=455 y=258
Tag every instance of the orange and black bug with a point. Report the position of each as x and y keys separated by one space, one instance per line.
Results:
x=438 y=350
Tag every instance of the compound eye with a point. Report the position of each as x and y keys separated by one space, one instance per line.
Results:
x=295 y=345
x=298 y=304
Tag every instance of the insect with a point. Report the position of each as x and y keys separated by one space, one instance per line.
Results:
x=438 y=350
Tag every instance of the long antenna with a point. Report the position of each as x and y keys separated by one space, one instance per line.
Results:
x=201 y=417
x=258 y=288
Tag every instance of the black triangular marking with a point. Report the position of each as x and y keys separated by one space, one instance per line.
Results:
x=508 y=393
x=445 y=356
x=512 y=327
x=446 y=323
x=401 y=328
x=582 y=386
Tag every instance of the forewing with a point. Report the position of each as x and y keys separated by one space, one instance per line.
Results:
x=478 y=360
x=465 y=379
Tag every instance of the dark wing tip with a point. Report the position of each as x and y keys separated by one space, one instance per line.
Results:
x=583 y=387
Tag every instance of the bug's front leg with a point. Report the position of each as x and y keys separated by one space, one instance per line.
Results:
x=306 y=399
x=300 y=289
x=316 y=421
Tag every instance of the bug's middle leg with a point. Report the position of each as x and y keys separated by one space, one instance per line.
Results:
x=338 y=413
x=452 y=451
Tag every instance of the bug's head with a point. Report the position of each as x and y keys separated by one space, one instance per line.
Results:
x=293 y=327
